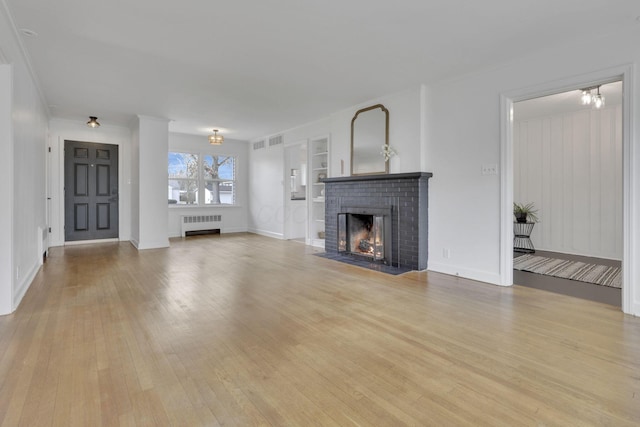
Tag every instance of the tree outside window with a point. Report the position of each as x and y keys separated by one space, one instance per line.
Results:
x=195 y=177
x=219 y=175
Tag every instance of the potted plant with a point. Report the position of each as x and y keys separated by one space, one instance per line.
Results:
x=524 y=213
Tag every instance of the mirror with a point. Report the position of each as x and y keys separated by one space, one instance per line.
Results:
x=369 y=132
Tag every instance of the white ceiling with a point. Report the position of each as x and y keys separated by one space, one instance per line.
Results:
x=253 y=68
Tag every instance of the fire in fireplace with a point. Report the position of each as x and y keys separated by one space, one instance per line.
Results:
x=364 y=234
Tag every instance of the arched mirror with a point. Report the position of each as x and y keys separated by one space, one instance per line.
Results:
x=369 y=133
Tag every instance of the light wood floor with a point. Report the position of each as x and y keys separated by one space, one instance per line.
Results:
x=242 y=330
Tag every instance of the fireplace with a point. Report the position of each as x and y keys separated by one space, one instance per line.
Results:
x=381 y=219
x=365 y=232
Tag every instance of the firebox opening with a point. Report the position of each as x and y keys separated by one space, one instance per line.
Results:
x=362 y=235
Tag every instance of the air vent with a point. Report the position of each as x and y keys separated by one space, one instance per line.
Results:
x=258 y=145
x=275 y=140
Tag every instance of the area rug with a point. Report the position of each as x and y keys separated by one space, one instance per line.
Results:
x=572 y=270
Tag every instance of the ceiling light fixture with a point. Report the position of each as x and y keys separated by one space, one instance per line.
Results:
x=598 y=100
x=216 y=139
x=588 y=98
x=93 y=122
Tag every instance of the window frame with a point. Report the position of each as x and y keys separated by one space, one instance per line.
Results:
x=202 y=181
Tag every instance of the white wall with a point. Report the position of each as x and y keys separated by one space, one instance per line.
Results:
x=61 y=130
x=404 y=133
x=570 y=166
x=234 y=218
x=6 y=176
x=266 y=191
x=463 y=132
x=23 y=134
x=151 y=146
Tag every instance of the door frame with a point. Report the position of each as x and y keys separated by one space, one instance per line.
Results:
x=630 y=175
x=78 y=133
x=292 y=205
x=116 y=176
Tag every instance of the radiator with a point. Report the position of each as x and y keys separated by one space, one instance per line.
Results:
x=200 y=222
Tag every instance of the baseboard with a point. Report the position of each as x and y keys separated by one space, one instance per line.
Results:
x=452 y=270
x=227 y=230
x=158 y=244
x=24 y=286
x=86 y=242
x=265 y=233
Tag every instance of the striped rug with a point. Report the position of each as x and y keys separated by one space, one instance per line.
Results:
x=572 y=270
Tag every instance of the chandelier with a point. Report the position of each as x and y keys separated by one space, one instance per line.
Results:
x=216 y=139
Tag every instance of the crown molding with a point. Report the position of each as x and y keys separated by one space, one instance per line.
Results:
x=5 y=13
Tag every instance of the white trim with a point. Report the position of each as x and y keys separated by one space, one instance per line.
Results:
x=452 y=270
x=6 y=12
x=506 y=191
x=7 y=256
x=86 y=242
x=24 y=285
x=267 y=233
x=631 y=175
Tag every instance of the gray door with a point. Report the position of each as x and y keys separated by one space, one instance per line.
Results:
x=91 y=191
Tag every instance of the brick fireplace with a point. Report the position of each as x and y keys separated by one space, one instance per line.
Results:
x=399 y=205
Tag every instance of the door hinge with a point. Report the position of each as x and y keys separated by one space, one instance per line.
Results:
x=49 y=229
x=49 y=149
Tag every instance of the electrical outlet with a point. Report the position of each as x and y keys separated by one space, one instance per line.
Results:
x=490 y=169
x=446 y=253
x=17 y=273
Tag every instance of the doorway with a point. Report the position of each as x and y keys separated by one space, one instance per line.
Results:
x=295 y=189
x=568 y=167
x=91 y=191
x=630 y=178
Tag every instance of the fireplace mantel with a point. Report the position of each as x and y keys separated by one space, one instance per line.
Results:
x=404 y=194
x=380 y=177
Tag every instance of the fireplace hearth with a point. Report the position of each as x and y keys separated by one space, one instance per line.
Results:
x=379 y=219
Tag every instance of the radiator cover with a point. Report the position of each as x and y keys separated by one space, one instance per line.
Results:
x=200 y=222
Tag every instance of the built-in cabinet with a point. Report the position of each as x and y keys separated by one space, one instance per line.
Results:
x=319 y=169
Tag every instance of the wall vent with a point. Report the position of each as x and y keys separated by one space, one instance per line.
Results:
x=192 y=223
x=258 y=145
x=275 y=140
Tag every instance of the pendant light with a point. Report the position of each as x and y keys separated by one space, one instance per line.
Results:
x=598 y=100
x=216 y=139
x=588 y=98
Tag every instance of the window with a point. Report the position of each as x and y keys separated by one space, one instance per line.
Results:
x=196 y=177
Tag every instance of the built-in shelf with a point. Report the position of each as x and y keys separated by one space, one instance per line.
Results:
x=319 y=168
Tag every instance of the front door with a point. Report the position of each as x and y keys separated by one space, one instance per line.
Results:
x=91 y=191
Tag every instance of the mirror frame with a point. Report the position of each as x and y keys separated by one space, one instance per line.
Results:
x=386 y=138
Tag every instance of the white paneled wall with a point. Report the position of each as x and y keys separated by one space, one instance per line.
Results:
x=570 y=166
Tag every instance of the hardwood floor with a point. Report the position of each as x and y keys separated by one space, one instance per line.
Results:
x=241 y=330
